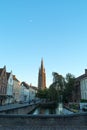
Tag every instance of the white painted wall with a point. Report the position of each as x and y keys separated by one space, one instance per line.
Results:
x=10 y=89
x=27 y=95
x=32 y=93
x=83 y=87
x=24 y=93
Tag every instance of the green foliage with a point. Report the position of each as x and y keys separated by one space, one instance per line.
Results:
x=69 y=87
x=83 y=100
x=60 y=86
x=74 y=107
x=42 y=93
x=69 y=77
x=63 y=86
x=49 y=94
x=52 y=94
x=57 y=87
x=58 y=81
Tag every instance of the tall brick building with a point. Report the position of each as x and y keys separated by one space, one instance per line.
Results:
x=41 y=77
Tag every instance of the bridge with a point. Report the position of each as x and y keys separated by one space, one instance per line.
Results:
x=44 y=122
x=15 y=117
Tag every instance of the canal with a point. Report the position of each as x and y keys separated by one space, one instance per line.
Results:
x=60 y=110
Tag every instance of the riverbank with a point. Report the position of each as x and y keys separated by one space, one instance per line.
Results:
x=74 y=107
x=18 y=108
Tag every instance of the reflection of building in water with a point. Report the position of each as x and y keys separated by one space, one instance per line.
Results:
x=42 y=77
x=42 y=111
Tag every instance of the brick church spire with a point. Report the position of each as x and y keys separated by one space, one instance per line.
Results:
x=42 y=66
x=41 y=77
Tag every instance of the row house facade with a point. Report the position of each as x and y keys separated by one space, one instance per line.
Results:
x=3 y=85
x=27 y=92
x=12 y=90
x=9 y=87
x=24 y=92
x=9 y=93
x=16 y=89
x=33 y=91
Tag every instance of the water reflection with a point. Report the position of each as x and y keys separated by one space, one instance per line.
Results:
x=58 y=111
x=45 y=111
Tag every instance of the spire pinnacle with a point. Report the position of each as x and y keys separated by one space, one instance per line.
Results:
x=42 y=63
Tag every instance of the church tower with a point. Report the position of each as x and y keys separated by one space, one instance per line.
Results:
x=41 y=77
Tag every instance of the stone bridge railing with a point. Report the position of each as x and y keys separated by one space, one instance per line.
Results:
x=42 y=120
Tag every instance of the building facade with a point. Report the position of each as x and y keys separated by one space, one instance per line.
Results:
x=42 y=77
x=24 y=92
x=84 y=88
x=33 y=91
x=3 y=85
x=16 y=89
x=9 y=94
x=27 y=92
x=81 y=87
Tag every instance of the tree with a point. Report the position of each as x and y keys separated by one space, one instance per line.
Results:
x=69 y=87
x=42 y=93
x=58 y=84
x=52 y=93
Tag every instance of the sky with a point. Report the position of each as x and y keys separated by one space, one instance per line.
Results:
x=55 y=30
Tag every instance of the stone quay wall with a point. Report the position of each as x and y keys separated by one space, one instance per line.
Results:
x=20 y=110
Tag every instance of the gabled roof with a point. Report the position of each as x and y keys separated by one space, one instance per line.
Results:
x=8 y=74
x=28 y=86
x=33 y=87
x=25 y=84
x=14 y=78
x=82 y=76
x=1 y=69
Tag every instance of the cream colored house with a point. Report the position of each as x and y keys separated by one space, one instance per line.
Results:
x=24 y=92
x=27 y=92
x=16 y=89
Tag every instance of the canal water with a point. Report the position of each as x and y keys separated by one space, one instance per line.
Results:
x=46 y=111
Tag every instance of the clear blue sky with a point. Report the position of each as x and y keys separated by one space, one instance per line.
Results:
x=53 y=29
